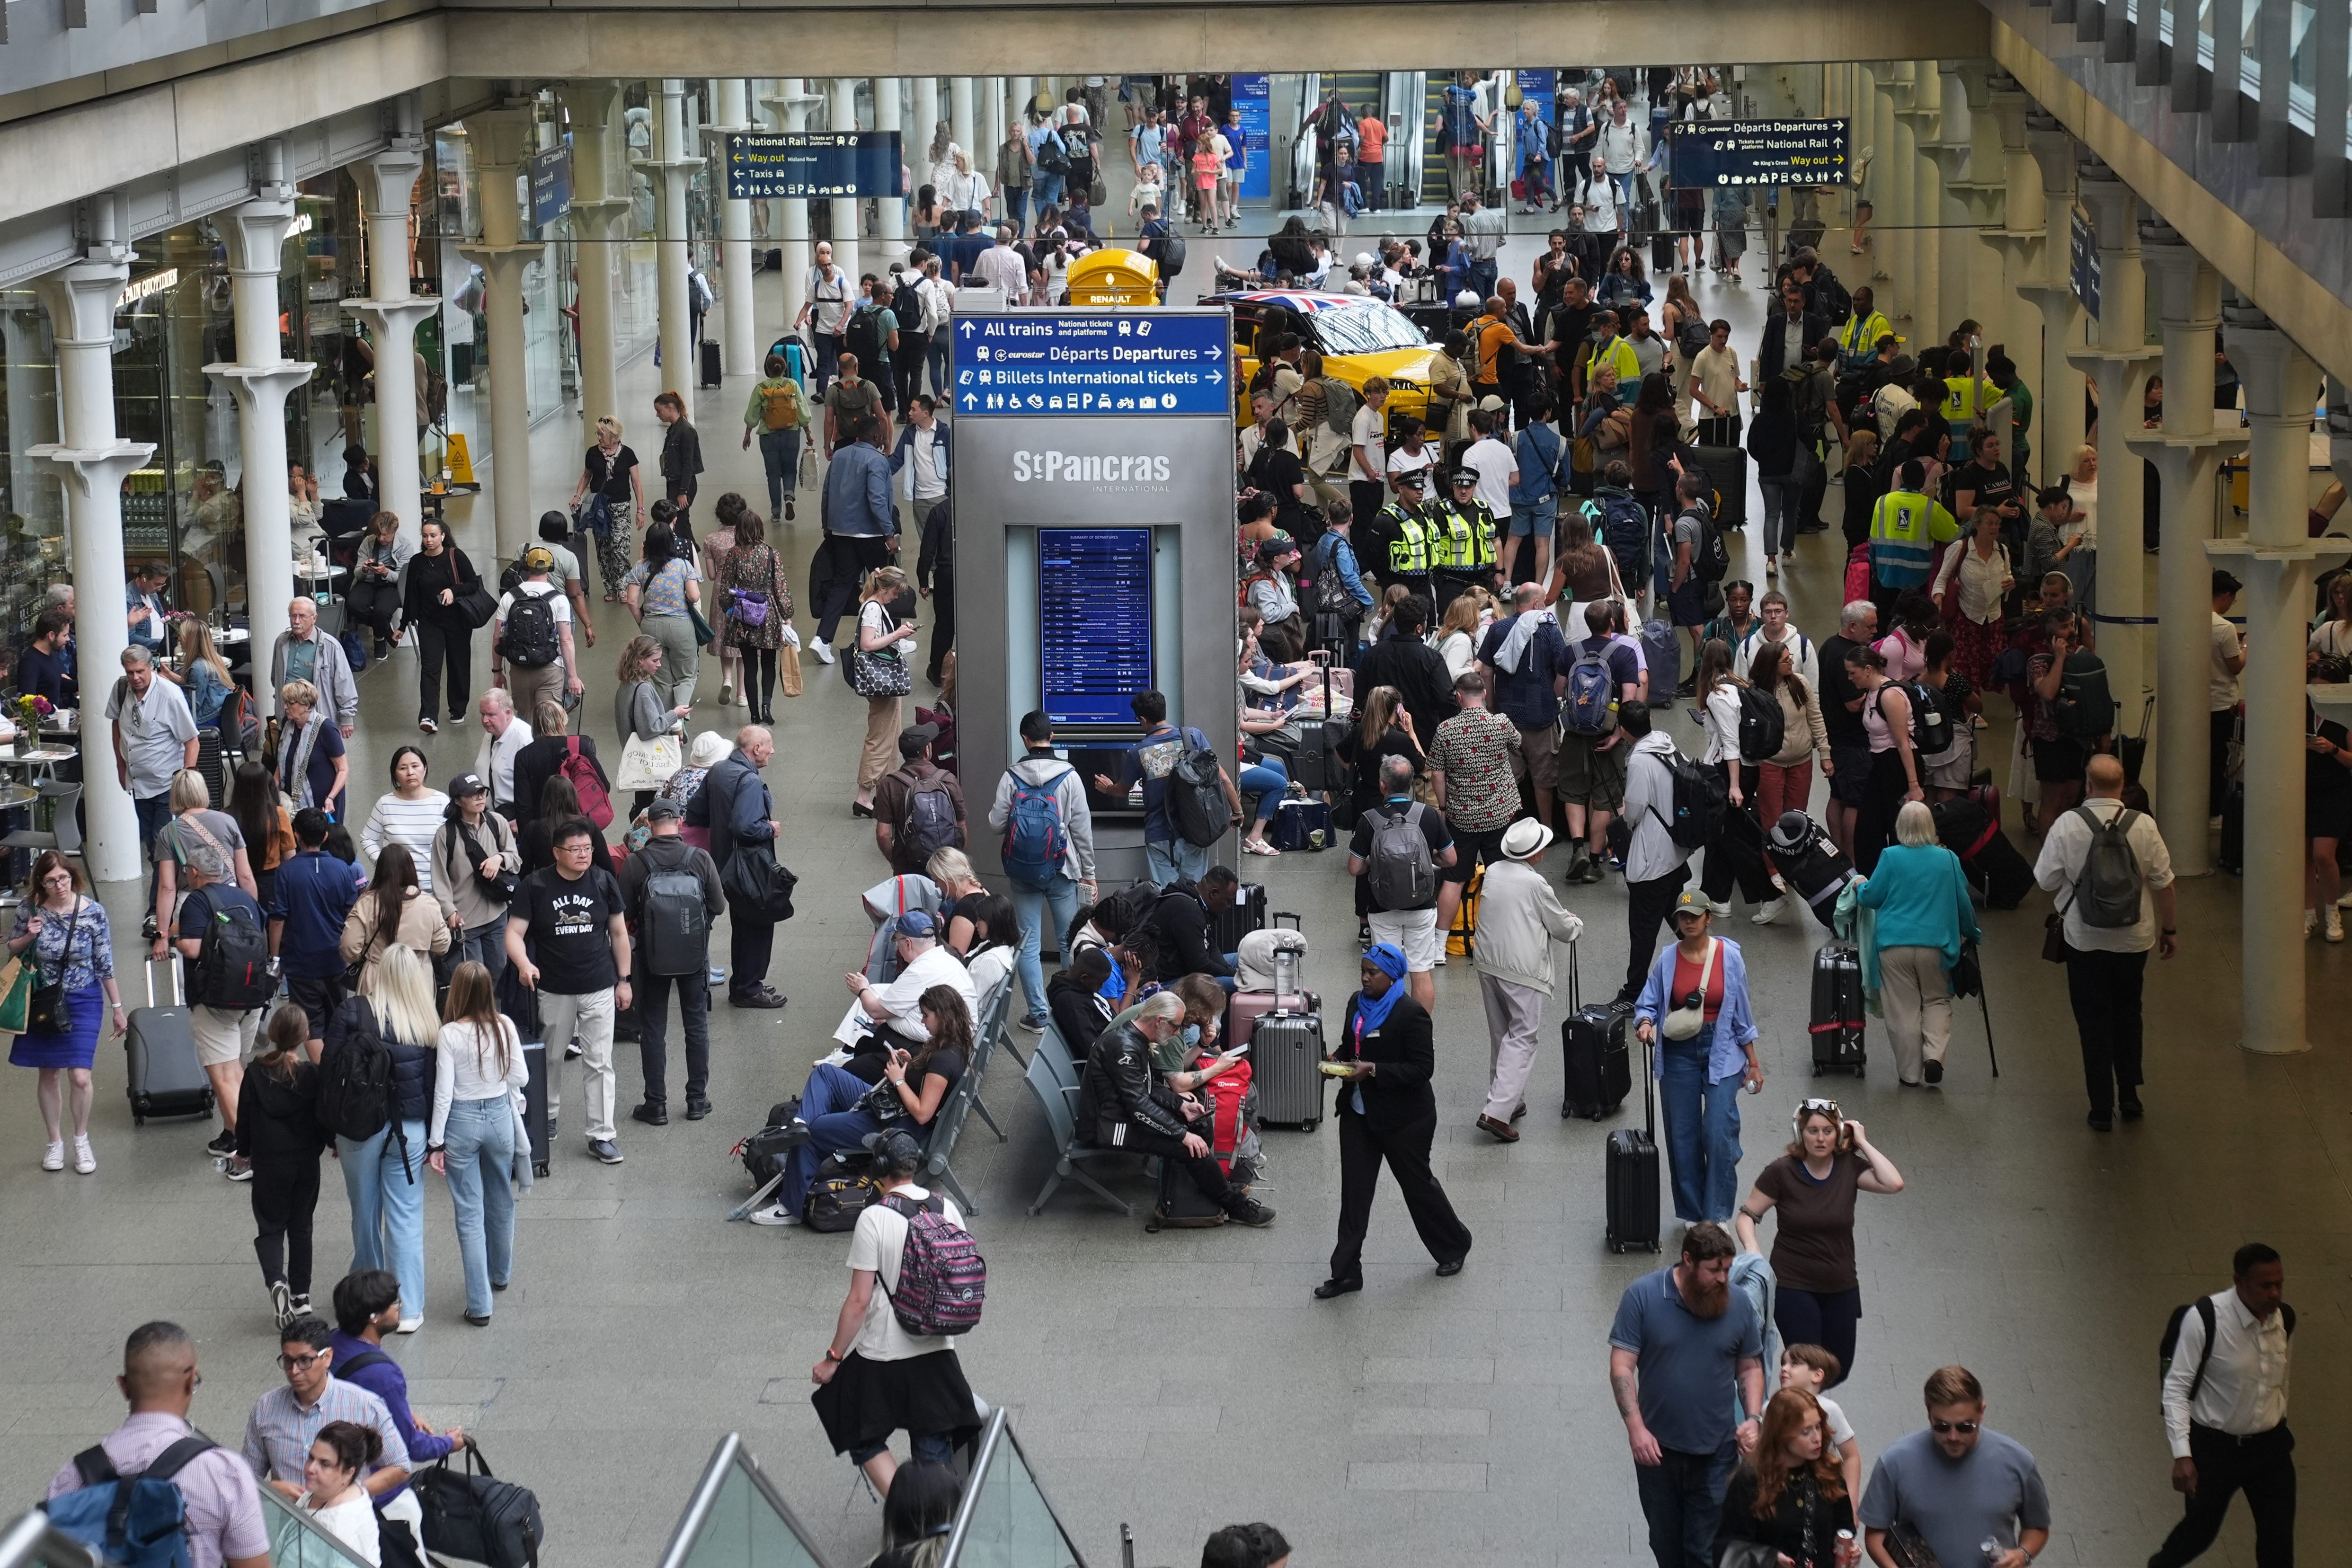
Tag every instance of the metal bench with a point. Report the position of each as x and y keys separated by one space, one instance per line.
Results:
x=1071 y=1157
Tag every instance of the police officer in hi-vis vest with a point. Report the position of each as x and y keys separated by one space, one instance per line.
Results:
x=1403 y=533
x=1462 y=554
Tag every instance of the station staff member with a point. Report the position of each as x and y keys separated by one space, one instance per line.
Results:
x=2225 y=1413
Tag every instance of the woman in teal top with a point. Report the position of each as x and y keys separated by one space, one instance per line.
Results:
x=1921 y=899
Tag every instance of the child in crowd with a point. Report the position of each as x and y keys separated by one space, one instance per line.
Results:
x=1812 y=1369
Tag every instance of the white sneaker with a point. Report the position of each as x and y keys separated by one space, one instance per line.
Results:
x=776 y=1214
x=410 y=1326
x=2335 y=930
x=726 y=694
x=86 y=1163
x=824 y=652
x=1771 y=912
x=1441 y=959
x=2343 y=899
x=1720 y=911
x=2310 y=924
x=54 y=1159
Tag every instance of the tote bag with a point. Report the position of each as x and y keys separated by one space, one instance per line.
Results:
x=648 y=764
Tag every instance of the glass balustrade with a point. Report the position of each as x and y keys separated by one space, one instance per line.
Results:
x=736 y=1518
x=1005 y=1520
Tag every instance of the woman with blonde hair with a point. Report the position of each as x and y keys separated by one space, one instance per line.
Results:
x=613 y=481
x=204 y=673
x=476 y=1130
x=384 y=1174
x=882 y=676
x=637 y=710
x=1458 y=633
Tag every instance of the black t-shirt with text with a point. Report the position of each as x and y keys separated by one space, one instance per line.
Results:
x=569 y=926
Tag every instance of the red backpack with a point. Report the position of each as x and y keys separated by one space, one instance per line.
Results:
x=1857 y=572
x=594 y=804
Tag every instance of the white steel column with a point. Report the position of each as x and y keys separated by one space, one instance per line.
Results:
x=2120 y=361
x=739 y=348
x=926 y=110
x=1898 y=207
x=1927 y=208
x=596 y=212
x=959 y=122
x=672 y=170
x=260 y=380
x=890 y=211
x=92 y=461
x=1956 y=235
x=848 y=227
x=2274 y=559
x=502 y=135
x=2058 y=397
x=2010 y=316
x=387 y=183
x=790 y=108
x=2188 y=454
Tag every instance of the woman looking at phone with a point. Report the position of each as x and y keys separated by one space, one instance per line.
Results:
x=840 y=1110
x=1813 y=1186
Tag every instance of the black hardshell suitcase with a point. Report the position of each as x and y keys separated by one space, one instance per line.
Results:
x=163 y=1077
x=1837 y=1015
x=534 y=1104
x=1633 y=1177
x=710 y=364
x=1247 y=914
x=1183 y=1206
x=1727 y=467
x=1285 y=1056
x=1597 y=1059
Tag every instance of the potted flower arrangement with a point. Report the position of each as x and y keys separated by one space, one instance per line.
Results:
x=29 y=713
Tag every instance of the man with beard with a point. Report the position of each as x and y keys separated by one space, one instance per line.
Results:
x=1970 y=1493
x=1684 y=1353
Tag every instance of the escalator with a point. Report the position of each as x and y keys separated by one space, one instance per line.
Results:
x=1435 y=183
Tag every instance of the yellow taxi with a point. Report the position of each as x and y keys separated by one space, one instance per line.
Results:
x=1358 y=338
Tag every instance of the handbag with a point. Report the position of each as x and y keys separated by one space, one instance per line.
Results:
x=474 y=601
x=1968 y=975
x=756 y=885
x=474 y=1515
x=703 y=636
x=882 y=673
x=1747 y=1554
x=648 y=764
x=1687 y=1020
x=45 y=1009
x=501 y=887
x=15 y=995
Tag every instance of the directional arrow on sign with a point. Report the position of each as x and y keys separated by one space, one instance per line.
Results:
x=1212 y=351
x=969 y=327
x=1214 y=378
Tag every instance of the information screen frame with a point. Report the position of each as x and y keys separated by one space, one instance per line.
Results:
x=1107 y=707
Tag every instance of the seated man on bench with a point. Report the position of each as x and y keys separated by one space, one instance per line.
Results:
x=1124 y=1105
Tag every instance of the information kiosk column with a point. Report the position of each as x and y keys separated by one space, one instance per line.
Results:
x=1093 y=487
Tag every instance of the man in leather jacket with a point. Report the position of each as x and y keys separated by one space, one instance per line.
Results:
x=1122 y=1100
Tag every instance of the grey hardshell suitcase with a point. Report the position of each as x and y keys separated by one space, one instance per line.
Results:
x=163 y=1078
x=1286 y=1053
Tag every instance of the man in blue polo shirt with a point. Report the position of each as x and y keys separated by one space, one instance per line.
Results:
x=1683 y=1345
x=308 y=899
x=1152 y=759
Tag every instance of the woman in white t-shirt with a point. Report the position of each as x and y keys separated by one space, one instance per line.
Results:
x=876 y=1377
x=334 y=1498
x=410 y=814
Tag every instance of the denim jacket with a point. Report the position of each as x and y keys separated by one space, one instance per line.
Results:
x=1735 y=1026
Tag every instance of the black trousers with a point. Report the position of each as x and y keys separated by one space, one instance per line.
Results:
x=2105 y=989
x=1406 y=1150
x=1206 y=1173
x=1646 y=907
x=943 y=620
x=760 y=673
x=2263 y=1466
x=850 y=558
x=1365 y=499
x=375 y=605
x=907 y=364
x=2221 y=727
x=436 y=643
x=285 y=1194
x=650 y=993
x=750 y=947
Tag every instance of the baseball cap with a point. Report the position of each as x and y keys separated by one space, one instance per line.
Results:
x=1691 y=900
x=466 y=784
x=915 y=737
x=538 y=558
x=663 y=806
x=918 y=922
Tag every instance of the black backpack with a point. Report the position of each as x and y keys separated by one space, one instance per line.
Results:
x=233 y=962
x=1691 y=335
x=907 y=302
x=1701 y=797
x=529 y=642
x=1196 y=805
x=862 y=338
x=2203 y=1307
x=355 y=1084
x=1712 y=561
x=675 y=922
x=1831 y=300
x=1762 y=726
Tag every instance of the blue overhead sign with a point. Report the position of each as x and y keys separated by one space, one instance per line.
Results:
x=551 y=184
x=1144 y=362
x=1762 y=152
x=2083 y=262
x=803 y=164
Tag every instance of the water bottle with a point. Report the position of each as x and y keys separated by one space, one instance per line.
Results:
x=1286 y=973
x=1991 y=1550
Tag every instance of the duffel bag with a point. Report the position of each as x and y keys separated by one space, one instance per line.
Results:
x=472 y=1514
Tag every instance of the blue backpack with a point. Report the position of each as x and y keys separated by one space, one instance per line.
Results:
x=1625 y=531
x=132 y=1522
x=1589 y=706
x=1036 y=840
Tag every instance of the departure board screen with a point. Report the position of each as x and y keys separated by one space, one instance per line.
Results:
x=1094 y=613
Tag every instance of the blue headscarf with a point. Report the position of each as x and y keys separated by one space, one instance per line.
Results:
x=1373 y=1011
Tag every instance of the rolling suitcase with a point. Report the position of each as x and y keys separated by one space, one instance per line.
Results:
x=1247 y=914
x=1598 y=1062
x=1837 y=1016
x=1244 y=1010
x=163 y=1077
x=1181 y=1204
x=1727 y=467
x=534 y=1104
x=1633 y=1177
x=1286 y=1056
x=710 y=366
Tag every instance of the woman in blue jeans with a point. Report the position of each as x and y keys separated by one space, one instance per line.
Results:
x=1693 y=1009
x=840 y=1109
x=1268 y=780
x=478 y=1079
x=384 y=1175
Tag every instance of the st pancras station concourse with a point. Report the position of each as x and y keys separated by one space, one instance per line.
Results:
x=646 y=719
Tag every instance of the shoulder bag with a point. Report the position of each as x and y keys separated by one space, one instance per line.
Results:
x=500 y=888
x=472 y=599
x=45 y=1010
x=648 y=764
x=882 y=673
